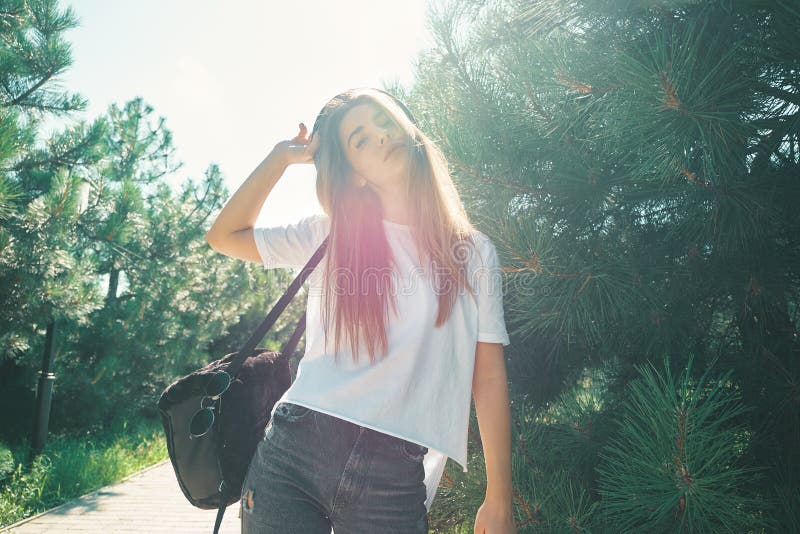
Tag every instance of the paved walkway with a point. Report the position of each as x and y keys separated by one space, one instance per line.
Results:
x=149 y=501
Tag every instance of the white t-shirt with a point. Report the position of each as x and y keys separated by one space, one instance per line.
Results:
x=421 y=391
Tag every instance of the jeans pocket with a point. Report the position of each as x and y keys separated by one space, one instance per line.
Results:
x=413 y=452
x=292 y=412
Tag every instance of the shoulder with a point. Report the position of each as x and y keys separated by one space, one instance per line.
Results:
x=318 y=226
x=315 y=219
x=315 y=224
x=479 y=238
x=484 y=252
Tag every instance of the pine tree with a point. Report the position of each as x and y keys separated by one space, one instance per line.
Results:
x=636 y=165
x=93 y=237
x=32 y=266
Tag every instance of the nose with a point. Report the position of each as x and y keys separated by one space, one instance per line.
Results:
x=383 y=136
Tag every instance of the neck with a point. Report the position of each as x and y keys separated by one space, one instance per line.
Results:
x=395 y=203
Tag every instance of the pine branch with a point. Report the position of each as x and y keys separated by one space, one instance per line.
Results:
x=453 y=158
x=18 y=101
x=780 y=93
x=514 y=187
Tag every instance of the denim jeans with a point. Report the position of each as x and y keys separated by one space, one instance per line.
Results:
x=314 y=472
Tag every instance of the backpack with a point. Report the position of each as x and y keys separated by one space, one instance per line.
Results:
x=215 y=417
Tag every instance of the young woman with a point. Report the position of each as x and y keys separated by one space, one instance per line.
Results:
x=404 y=324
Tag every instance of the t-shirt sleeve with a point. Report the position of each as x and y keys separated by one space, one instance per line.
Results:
x=291 y=245
x=488 y=282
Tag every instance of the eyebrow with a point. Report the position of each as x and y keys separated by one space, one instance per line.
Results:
x=355 y=132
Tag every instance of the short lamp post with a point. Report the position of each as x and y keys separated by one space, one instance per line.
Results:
x=44 y=392
x=44 y=395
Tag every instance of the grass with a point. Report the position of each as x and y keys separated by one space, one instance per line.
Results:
x=73 y=465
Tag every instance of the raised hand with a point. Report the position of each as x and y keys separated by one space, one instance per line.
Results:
x=299 y=149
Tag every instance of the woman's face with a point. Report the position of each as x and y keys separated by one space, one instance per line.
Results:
x=374 y=144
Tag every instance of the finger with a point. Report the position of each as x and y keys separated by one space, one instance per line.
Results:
x=303 y=137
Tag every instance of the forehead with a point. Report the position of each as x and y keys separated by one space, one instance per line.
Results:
x=359 y=114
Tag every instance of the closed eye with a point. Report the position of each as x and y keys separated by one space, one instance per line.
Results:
x=387 y=122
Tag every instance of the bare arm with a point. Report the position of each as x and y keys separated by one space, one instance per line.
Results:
x=232 y=231
x=490 y=393
x=243 y=208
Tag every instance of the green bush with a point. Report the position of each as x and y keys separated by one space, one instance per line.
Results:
x=6 y=462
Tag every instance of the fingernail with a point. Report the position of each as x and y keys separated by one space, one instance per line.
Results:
x=302 y=125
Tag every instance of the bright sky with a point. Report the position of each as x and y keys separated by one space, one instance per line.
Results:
x=234 y=77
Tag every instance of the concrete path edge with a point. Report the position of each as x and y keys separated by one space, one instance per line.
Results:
x=67 y=503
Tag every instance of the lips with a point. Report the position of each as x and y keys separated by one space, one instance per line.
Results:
x=391 y=149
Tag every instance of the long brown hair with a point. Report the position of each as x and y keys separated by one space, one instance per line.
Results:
x=358 y=258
